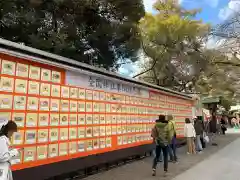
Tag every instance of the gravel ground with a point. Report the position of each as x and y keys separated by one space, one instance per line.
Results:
x=141 y=170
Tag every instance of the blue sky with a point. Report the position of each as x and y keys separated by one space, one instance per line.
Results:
x=213 y=11
x=210 y=9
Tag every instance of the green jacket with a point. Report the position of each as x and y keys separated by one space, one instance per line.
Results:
x=161 y=134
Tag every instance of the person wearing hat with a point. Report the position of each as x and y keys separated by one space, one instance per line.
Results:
x=7 y=128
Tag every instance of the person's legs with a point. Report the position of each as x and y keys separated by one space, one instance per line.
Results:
x=189 y=145
x=160 y=157
x=174 y=149
x=193 y=147
x=170 y=152
x=203 y=143
x=223 y=130
x=199 y=143
x=165 y=157
x=155 y=160
x=212 y=140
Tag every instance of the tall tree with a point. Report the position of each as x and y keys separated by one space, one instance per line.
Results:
x=97 y=32
x=227 y=38
x=219 y=79
x=173 y=41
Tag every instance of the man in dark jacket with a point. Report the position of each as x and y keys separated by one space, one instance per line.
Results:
x=204 y=131
x=161 y=154
x=162 y=138
x=198 y=125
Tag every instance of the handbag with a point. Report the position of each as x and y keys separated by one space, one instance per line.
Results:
x=205 y=138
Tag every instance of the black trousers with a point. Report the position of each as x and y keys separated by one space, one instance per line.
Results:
x=203 y=142
x=158 y=151
x=223 y=130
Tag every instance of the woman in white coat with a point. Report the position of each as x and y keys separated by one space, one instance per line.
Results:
x=7 y=128
x=190 y=134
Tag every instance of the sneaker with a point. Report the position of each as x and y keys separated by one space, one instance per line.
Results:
x=200 y=152
x=188 y=153
x=154 y=172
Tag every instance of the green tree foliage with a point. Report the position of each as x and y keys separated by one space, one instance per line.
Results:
x=219 y=79
x=97 y=32
x=173 y=41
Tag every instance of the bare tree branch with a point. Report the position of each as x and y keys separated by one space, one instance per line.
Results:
x=154 y=61
x=227 y=63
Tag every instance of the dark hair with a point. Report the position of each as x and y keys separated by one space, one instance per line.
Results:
x=162 y=117
x=187 y=121
x=10 y=126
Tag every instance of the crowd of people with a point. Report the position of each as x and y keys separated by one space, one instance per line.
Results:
x=164 y=134
x=196 y=132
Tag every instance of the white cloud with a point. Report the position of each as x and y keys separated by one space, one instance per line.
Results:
x=132 y=69
x=148 y=5
x=227 y=12
x=180 y=1
x=127 y=69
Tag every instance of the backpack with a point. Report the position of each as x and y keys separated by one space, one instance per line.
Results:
x=162 y=136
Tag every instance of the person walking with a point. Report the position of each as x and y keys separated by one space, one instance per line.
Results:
x=223 y=126
x=212 y=125
x=203 y=135
x=160 y=159
x=162 y=138
x=7 y=128
x=173 y=134
x=190 y=134
x=198 y=126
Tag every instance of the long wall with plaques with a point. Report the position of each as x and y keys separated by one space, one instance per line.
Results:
x=58 y=121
